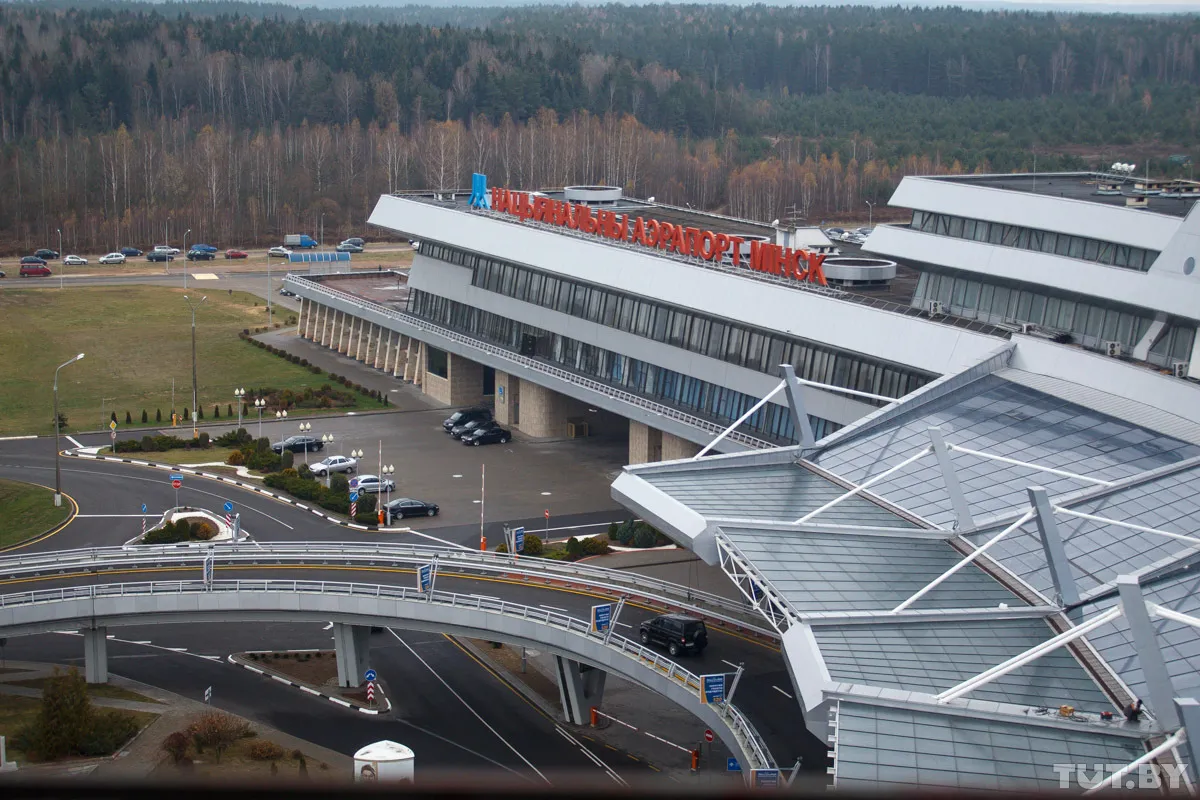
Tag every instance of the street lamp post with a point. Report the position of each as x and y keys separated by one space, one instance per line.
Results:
x=259 y=403
x=357 y=456
x=321 y=243
x=387 y=470
x=305 y=427
x=327 y=440
x=870 y=214
x=185 y=238
x=57 y=428
x=239 y=394
x=60 y=253
x=193 y=308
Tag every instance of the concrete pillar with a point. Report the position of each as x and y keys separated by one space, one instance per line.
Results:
x=674 y=448
x=340 y=331
x=419 y=367
x=323 y=331
x=352 y=646
x=363 y=351
x=377 y=354
x=508 y=398
x=410 y=366
x=314 y=310
x=1188 y=710
x=463 y=384
x=387 y=352
x=543 y=411
x=580 y=687
x=327 y=330
x=645 y=443
x=304 y=306
x=95 y=655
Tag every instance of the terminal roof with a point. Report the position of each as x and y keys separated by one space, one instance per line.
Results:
x=1075 y=186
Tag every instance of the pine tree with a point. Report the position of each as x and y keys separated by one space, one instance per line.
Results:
x=145 y=417
x=158 y=415
x=128 y=418
x=216 y=411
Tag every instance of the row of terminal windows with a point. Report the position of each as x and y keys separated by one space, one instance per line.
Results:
x=720 y=404
x=742 y=345
x=1091 y=325
x=1060 y=244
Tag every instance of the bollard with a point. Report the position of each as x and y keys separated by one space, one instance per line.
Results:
x=695 y=760
x=593 y=715
x=483 y=543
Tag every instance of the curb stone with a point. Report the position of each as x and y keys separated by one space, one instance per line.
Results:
x=268 y=673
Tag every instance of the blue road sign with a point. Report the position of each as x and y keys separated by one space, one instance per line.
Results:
x=732 y=765
x=228 y=506
x=424 y=577
x=369 y=675
x=764 y=778
x=714 y=688
x=354 y=483
x=176 y=476
x=208 y=570
x=519 y=540
x=144 y=508
x=354 y=497
x=601 y=617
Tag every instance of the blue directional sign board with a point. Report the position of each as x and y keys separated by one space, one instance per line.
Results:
x=714 y=688
x=369 y=675
x=424 y=577
x=601 y=617
x=144 y=508
x=519 y=540
x=354 y=497
x=732 y=765
x=764 y=778
x=228 y=506
x=176 y=476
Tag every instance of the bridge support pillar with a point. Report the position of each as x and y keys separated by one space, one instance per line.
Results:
x=95 y=655
x=352 y=646
x=580 y=686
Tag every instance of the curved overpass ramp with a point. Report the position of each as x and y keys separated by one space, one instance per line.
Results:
x=118 y=604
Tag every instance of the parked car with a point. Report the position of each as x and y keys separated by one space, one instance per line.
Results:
x=279 y=251
x=286 y=292
x=355 y=240
x=835 y=233
x=347 y=247
x=458 y=431
x=200 y=255
x=34 y=270
x=75 y=261
x=864 y=231
x=415 y=244
x=854 y=238
x=113 y=258
x=299 y=444
x=465 y=415
x=46 y=253
x=166 y=248
x=236 y=254
x=154 y=255
x=37 y=261
x=207 y=248
x=407 y=507
x=676 y=632
x=486 y=433
x=3 y=274
x=372 y=485
x=131 y=252
x=334 y=464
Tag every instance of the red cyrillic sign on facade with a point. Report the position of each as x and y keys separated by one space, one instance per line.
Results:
x=800 y=265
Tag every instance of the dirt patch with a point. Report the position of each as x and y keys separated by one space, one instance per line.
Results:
x=104 y=690
x=510 y=659
x=317 y=668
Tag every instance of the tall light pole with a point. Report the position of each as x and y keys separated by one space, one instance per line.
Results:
x=185 y=238
x=321 y=241
x=193 y=306
x=259 y=404
x=268 y=290
x=305 y=427
x=239 y=394
x=59 y=242
x=385 y=472
x=57 y=428
x=870 y=214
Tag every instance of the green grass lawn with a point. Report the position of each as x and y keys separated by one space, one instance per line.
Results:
x=28 y=511
x=180 y=456
x=104 y=690
x=17 y=712
x=136 y=340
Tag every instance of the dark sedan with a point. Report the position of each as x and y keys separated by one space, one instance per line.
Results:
x=152 y=256
x=130 y=252
x=488 y=433
x=47 y=253
x=459 y=430
x=200 y=255
x=299 y=444
x=407 y=507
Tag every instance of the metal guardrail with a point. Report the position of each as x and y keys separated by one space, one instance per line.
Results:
x=549 y=370
x=450 y=561
x=749 y=741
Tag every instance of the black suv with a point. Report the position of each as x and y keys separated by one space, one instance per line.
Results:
x=299 y=444
x=460 y=418
x=676 y=632
x=47 y=254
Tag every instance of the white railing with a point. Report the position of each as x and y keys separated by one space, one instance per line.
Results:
x=451 y=561
x=558 y=373
x=747 y=738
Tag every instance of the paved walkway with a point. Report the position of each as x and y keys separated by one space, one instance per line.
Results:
x=404 y=396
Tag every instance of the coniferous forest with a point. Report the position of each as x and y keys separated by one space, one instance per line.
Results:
x=120 y=122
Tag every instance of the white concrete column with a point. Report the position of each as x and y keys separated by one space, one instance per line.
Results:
x=304 y=305
x=387 y=352
x=580 y=687
x=352 y=646
x=323 y=331
x=95 y=655
x=377 y=362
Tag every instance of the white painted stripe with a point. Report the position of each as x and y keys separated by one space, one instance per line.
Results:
x=73 y=441
x=340 y=702
x=554 y=608
x=782 y=692
x=281 y=680
x=310 y=691
x=30 y=436
x=730 y=663
x=574 y=527
x=108 y=516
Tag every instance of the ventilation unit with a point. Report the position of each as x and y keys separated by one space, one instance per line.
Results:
x=1028 y=328
x=935 y=308
x=1112 y=349
x=1180 y=369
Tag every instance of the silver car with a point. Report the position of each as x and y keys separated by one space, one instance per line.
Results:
x=334 y=464
x=370 y=484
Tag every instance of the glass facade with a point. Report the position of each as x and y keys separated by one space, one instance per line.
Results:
x=1059 y=244
x=722 y=405
x=745 y=346
x=1090 y=324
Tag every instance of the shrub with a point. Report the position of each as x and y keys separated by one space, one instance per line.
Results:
x=533 y=545
x=114 y=416
x=263 y=750
x=595 y=546
x=107 y=732
x=216 y=411
x=185 y=414
x=612 y=531
x=236 y=459
x=645 y=536
x=64 y=720
x=158 y=415
x=203 y=439
x=314 y=369
x=229 y=409
x=287 y=459
x=237 y=438
x=304 y=472
x=148 y=444
x=200 y=413
x=176 y=746
x=145 y=417
x=626 y=531
x=218 y=731
x=574 y=548
x=128 y=418
x=169 y=533
x=339 y=483
x=202 y=530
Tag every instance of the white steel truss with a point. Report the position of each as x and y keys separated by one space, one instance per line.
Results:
x=753 y=409
x=754 y=587
x=924 y=451
x=1192 y=540
x=1114 y=780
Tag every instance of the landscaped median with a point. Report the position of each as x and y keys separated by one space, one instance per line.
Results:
x=28 y=511
x=314 y=672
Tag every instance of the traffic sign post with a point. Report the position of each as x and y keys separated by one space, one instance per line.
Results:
x=353 y=504
x=709 y=735
x=370 y=675
x=425 y=577
x=208 y=570
x=732 y=765
x=612 y=623
x=176 y=484
x=714 y=689
x=208 y=695
x=143 y=519
x=764 y=779
x=371 y=693
x=546 y=537
x=601 y=617
x=518 y=542
x=229 y=513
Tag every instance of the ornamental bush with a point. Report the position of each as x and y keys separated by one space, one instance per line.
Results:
x=645 y=536
x=533 y=545
x=595 y=546
x=236 y=459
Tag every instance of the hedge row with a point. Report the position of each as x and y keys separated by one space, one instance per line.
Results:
x=631 y=533
x=161 y=443
x=335 y=497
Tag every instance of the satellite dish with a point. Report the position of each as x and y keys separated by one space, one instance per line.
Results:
x=650 y=199
x=775 y=223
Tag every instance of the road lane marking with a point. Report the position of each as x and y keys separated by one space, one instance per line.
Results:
x=595 y=759
x=73 y=441
x=782 y=692
x=15 y=438
x=108 y=516
x=441 y=680
x=179 y=650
